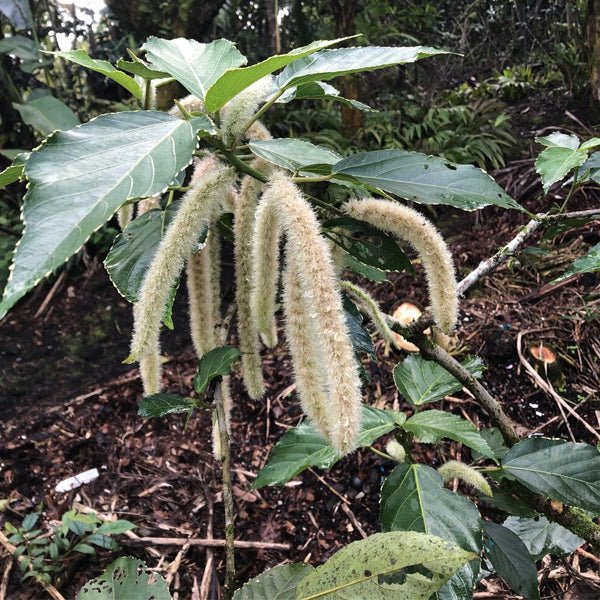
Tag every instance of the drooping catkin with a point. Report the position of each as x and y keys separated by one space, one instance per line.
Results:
x=146 y=204
x=124 y=215
x=239 y=110
x=412 y=226
x=243 y=227
x=190 y=103
x=319 y=289
x=454 y=469
x=257 y=132
x=178 y=243
x=151 y=372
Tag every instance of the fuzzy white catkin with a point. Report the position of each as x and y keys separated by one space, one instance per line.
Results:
x=412 y=226
x=191 y=103
x=178 y=243
x=124 y=215
x=151 y=372
x=239 y=110
x=454 y=469
x=319 y=289
x=147 y=204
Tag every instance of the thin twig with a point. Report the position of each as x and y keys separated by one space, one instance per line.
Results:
x=208 y=543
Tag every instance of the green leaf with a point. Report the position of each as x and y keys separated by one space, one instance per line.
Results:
x=11 y=174
x=294 y=155
x=81 y=57
x=116 y=527
x=589 y=263
x=30 y=520
x=159 y=405
x=84 y=549
x=279 y=583
x=102 y=541
x=421 y=381
x=413 y=499
x=561 y=470
x=360 y=337
x=23 y=48
x=47 y=114
x=196 y=66
x=555 y=163
x=425 y=179
x=503 y=500
x=302 y=447
x=234 y=81
x=384 y=566
x=18 y=13
x=512 y=561
x=327 y=64
x=127 y=577
x=559 y=140
x=542 y=537
x=78 y=179
x=371 y=273
x=495 y=441
x=367 y=244
x=317 y=90
x=215 y=363
x=430 y=426
x=140 y=69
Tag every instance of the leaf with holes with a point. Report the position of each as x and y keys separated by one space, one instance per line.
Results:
x=292 y=154
x=196 y=66
x=47 y=114
x=126 y=577
x=426 y=179
x=215 y=363
x=79 y=178
x=421 y=381
x=279 y=583
x=159 y=405
x=398 y=564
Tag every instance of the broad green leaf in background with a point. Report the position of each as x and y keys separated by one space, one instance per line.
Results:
x=302 y=447
x=47 y=114
x=294 y=154
x=116 y=527
x=216 y=362
x=493 y=437
x=279 y=583
x=159 y=405
x=503 y=500
x=589 y=263
x=421 y=381
x=367 y=244
x=196 y=66
x=327 y=64
x=14 y=172
x=317 y=90
x=79 y=178
x=413 y=499
x=126 y=577
x=512 y=561
x=556 y=162
x=591 y=168
x=430 y=426
x=426 y=179
x=18 y=13
x=360 y=337
x=561 y=470
x=236 y=80
x=23 y=48
x=81 y=57
x=382 y=567
x=542 y=537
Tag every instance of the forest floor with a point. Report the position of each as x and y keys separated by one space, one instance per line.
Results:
x=68 y=405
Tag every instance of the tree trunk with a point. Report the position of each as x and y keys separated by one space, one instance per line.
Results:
x=593 y=47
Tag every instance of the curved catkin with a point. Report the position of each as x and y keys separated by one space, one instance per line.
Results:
x=124 y=215
x=180 y=239
x=146 y=204
x=457 y=470
x=304 y=350
x=239 y=110
x=257 y=132
x=265 y=258
x=412 y=226
x=318 y=286
x=243 y=227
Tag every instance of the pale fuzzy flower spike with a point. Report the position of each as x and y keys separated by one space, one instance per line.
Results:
x=239 y=110
x=412 y=226
x=457 y=470
x=190 y=103
x=146 y=204
x=151 y=372
x=319 y=290
x=124 y=215
x=179 y=242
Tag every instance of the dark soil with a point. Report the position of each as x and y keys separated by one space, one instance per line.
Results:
x=68 y=405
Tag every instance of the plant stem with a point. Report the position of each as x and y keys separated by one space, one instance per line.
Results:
x=260 y=112
x=312 y=179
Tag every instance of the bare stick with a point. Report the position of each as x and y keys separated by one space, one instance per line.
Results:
x=208 y=543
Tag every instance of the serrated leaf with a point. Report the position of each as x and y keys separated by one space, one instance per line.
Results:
x=555 y=163
x=421 y=381
x=135 y=155
x=116 y=527
x=367 y=244
x=360 y=337
x=328 y=64
x=317 y=90
x=215 y=363
x=560 y=140
x=81 y=57
x=383 y=566
x=413 y=499
x=426 y=179
x=127 y=577
x=371 y=273
x=196 y=66
x=47 y=114
x=430 y=426
x=279 y=583
x=159 y=405
x=512 y=561
x=589 y=263
x=302 y=447
x=293 y=154
x=11 y=174
x=561 y=470
x=234 y=81
x=542 y=537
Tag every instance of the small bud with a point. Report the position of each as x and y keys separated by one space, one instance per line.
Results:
x=457 y=470
x=396 y=450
